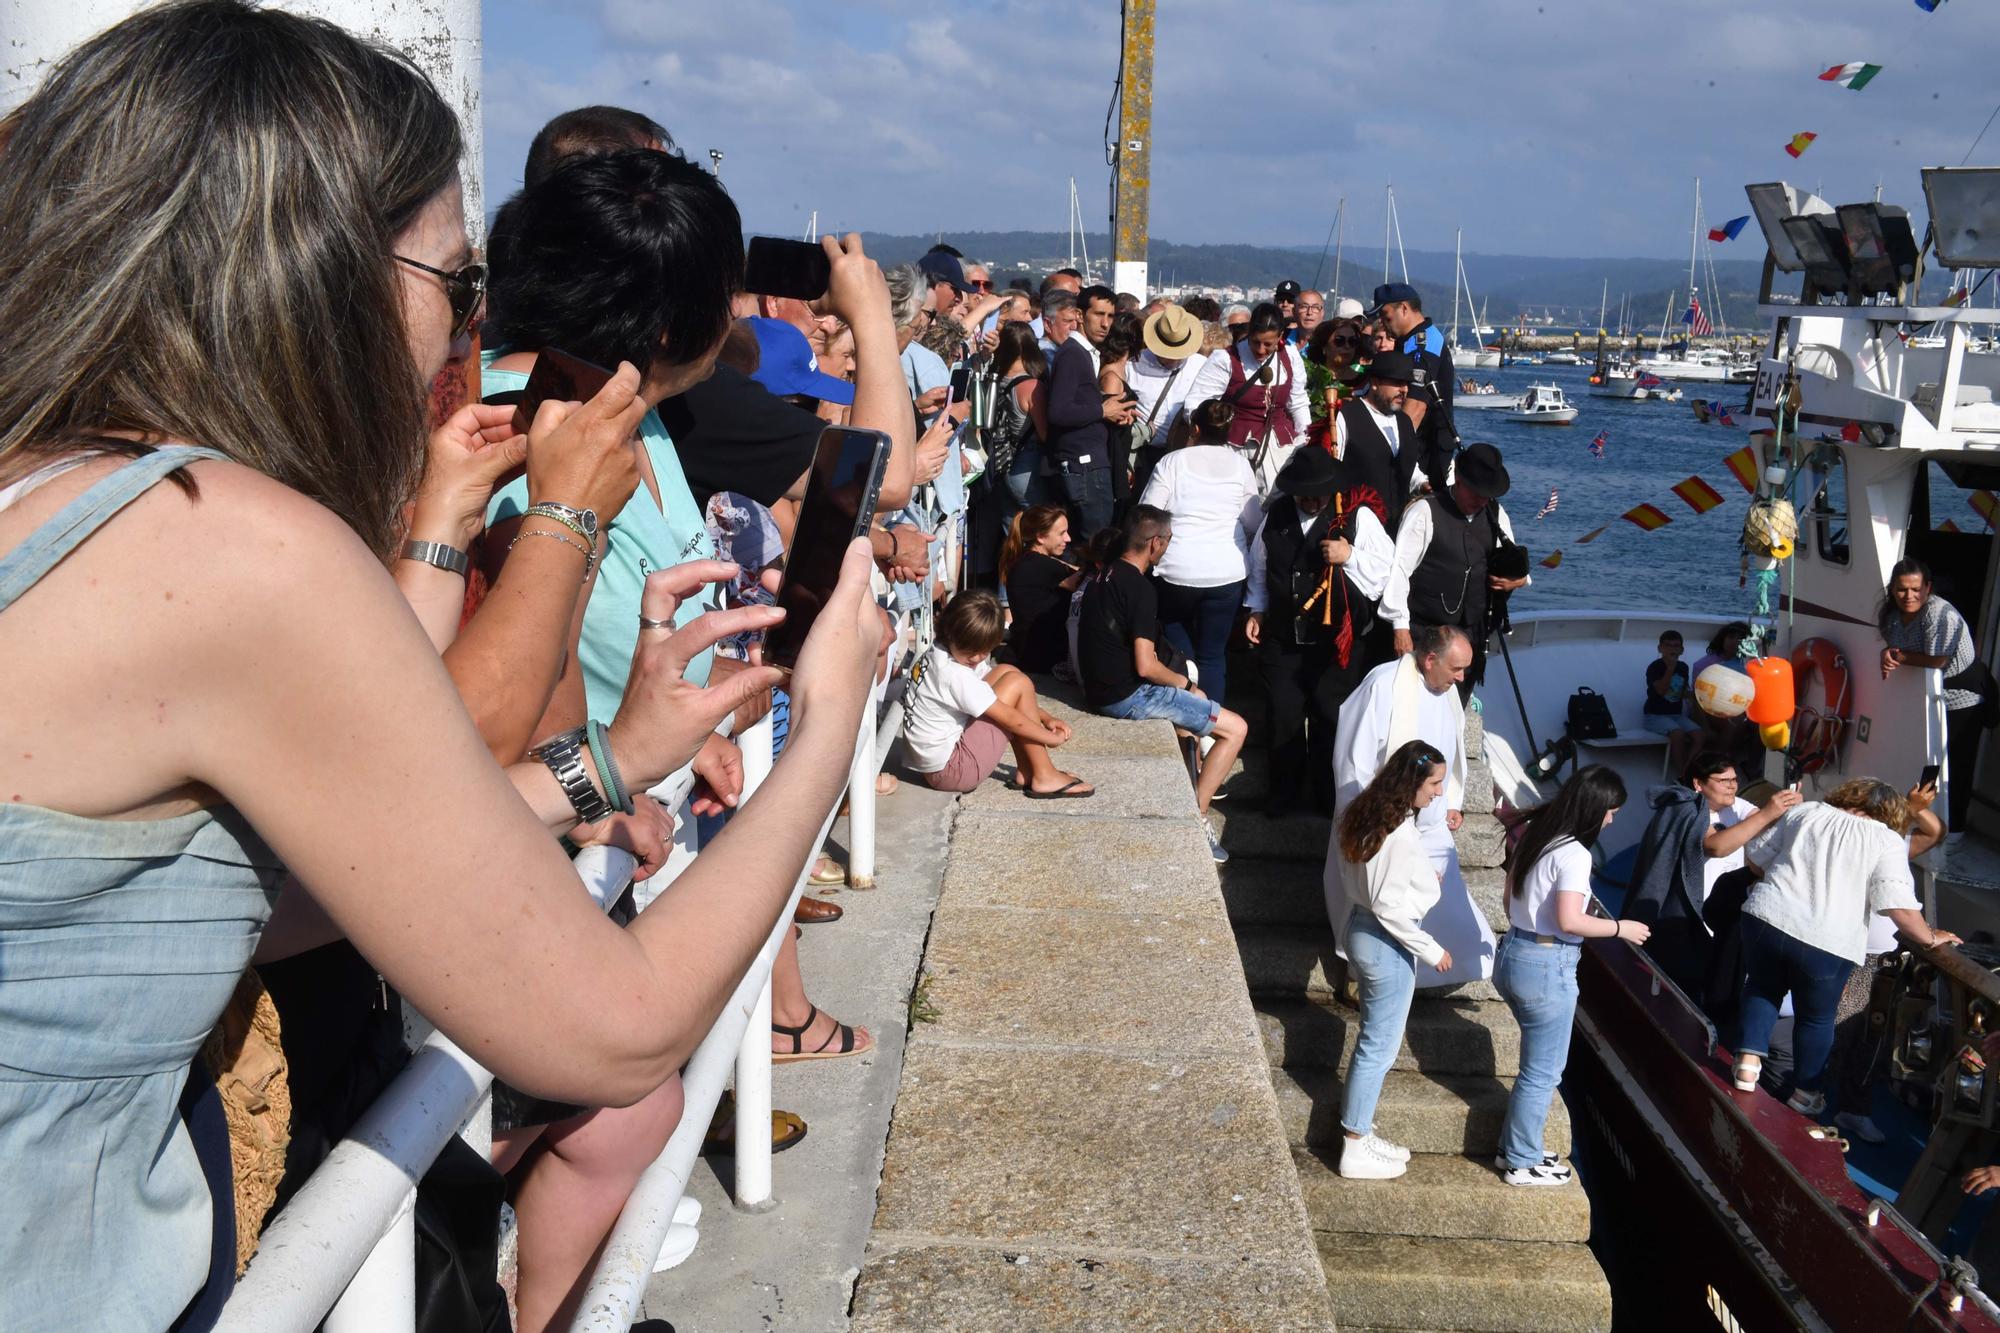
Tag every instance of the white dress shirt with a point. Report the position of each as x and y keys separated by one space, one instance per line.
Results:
x=1213 y=382
x=1386 y=423
x=1413 y=539
x=1163 y=390
x=1367 y=568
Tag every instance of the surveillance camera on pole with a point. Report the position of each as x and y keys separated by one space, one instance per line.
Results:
x=715 y=162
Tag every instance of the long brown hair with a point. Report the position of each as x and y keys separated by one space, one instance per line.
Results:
x=1386 y=802
x=198 y=211
x=1029 y=526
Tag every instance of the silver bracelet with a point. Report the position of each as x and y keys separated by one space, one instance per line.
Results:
x=436 y=554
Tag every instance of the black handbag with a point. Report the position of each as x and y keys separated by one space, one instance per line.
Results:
x=1590 y=716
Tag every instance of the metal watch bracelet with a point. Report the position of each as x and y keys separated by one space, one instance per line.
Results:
x=564 y=756
x=436 y=554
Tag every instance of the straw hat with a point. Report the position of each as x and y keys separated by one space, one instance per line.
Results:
x=1172 y=334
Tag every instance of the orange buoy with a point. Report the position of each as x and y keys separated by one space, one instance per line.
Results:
x=1773 y=701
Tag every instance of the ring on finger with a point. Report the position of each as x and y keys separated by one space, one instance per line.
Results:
x=645 y=623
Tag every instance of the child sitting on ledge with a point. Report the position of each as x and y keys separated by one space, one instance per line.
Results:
x=965 y=711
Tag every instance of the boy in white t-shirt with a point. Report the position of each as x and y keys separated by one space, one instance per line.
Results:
x=964 y=711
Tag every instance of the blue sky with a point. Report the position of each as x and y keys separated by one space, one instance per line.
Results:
x=1557 y=128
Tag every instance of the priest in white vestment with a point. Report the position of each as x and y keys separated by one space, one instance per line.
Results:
x=1415 y=697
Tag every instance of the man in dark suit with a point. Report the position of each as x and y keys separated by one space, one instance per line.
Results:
x=1399 y=309
x=1374 y=436
x=1079 y=441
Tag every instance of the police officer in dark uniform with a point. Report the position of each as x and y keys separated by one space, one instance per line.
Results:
x=1317 y=573
x=1400 y=309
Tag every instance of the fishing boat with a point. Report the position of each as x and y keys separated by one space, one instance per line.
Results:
x=1542 y=405
x=1767 y=1222
x=1482 y=397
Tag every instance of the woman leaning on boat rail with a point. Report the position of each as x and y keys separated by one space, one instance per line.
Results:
x=1921 y=629
x=1548 y=902
x=215 y=679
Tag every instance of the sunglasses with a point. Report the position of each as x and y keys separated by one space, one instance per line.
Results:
x=464 y=288
x=1345 y=340
x=980 y=286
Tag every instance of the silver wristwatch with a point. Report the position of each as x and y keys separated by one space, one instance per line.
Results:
x=583 y=522
x=448 y=558
x=564 y=756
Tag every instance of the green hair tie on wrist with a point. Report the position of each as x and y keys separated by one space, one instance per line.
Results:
x=607 y=768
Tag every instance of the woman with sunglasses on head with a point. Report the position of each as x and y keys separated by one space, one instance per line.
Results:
x=216 y=681
x=1335 y=373
x=1548 y=910
x=1381 y=884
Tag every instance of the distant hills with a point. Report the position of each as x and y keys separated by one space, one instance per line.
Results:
x=1508 y=286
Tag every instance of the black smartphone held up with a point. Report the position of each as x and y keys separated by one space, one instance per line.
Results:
x=798 y=269
x=841 y=491
x=1929 y=777
x=557 y=375
x=961 y=383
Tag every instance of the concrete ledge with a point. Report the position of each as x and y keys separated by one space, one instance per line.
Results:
x=1086 y=1135
x=1442 y=1195
x=1483 y=1286
x=1441 y=1036
x=1440 y=1113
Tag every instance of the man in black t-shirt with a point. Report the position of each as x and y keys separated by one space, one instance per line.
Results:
x=1123 y=676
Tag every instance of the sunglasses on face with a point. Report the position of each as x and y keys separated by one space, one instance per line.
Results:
x=465 y=288
x=979 y=285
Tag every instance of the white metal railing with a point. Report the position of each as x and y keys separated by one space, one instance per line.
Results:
x=343 y=1249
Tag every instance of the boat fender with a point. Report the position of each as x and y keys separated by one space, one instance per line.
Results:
x=1771 y=680
x=1775 y=735
x=1723 y=691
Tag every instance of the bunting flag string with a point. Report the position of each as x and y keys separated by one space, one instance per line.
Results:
x=1949 y=525
x=1854 y=75
x=1742 y=465
x=1591 y=536
x=1698 y=495
x=1550 y=507
x=1597 y=445
x=1929 y=6
x=1552 y=559
x=1727 y=231
x=1647 y=518
x=1803 y=141
x=1986 y=505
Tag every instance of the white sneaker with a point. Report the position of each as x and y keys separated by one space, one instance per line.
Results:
x=1215 y=848
x=1807 y=1103
x=1362 y=1159
x=1549 y=1173
x=1860 y=1127
x=1381 y=1145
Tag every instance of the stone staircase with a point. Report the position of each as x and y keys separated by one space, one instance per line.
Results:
x=1447 y=1246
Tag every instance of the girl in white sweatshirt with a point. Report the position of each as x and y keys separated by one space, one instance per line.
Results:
x=1387 y=886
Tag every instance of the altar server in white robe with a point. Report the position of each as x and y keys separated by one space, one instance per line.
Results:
x=1415 y=697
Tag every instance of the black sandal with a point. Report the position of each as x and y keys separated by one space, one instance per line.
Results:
x=841 y=1033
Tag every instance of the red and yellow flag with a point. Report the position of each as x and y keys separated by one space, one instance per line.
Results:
x=1552 y=559
x=1742 y=465
x=1591 y=536
x=1698 y=494
x=1987 y=504
x=1799 y=144
x=1647 y=517
x=1950 y=525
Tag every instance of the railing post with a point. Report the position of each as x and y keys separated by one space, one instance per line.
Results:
x=382 y=1296
x=861 y=797
x=753 y=1053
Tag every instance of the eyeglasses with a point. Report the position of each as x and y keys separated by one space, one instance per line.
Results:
x=1344 y=340
x=979 y=284
x=465 y=288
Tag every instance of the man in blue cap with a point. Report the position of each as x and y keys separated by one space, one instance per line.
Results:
x=1399 y=309
x=787 y=367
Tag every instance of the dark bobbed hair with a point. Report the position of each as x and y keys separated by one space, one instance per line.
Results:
x=611 y=255
x=1204 y=308
x=1212 y=419
x=1265 y=317
x=1577 y=813
x=1386 y=801
x=1124 y=338
x=1706 y=765
x=1886 y=614
x=972 y=623
x=198 y=218
x=588 y=132
x=1739 y=629
x=1019 y=345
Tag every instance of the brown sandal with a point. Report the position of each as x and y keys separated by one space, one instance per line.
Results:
x=842 y=1033
x=787 y=1128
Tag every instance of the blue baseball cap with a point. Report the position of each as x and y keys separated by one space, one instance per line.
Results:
x=937 y=266
x=1393 y=291
x=786 y=365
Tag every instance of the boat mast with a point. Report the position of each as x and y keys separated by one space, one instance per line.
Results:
x=1694 y=243
x=1388 y=218
x=1457 y=280
x=1339 y=235
x=1071 y=221
x=1603 y=298
x=1401 y=258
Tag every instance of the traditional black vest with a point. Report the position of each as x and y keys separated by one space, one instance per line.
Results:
x=1449 y=586
x=1292 y=572
x=1371 y=462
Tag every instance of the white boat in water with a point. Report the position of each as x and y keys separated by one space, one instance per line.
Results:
x=1632 y=385
x=1562 y=357
x=1542 y=405
x=1482 y=397
x=1475 y=356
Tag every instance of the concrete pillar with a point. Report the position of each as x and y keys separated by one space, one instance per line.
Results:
x=441 y=36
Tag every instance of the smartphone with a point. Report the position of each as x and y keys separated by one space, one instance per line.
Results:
x=961 y=383
x=557 y=375
x=841 y=491
x=798 y=269
x=1929 y=777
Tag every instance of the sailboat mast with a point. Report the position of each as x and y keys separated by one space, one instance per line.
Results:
x=1457 y=280
x=1339 y=235
x=1694 y=248
x=1388 y=220
x=1072 y=222
x=1603 y=299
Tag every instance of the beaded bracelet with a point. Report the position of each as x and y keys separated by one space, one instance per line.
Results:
x=589 y=556
x=607 y=768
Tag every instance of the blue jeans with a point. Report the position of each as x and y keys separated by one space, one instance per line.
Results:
x=1777 y=963
x=1538 y=981
x=1086 y=489
x=1024 y=485
x=1186 y=710
x=1385 y=975
x=1666 y=724
x=1198 y=621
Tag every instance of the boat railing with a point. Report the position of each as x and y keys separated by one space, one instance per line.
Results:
x=341 y=1254
x=1952 y=1271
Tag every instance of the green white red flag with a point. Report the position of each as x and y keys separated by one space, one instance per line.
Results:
x=1854 y=75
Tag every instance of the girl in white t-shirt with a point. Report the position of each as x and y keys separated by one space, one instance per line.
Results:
x=1380 y=881
x=964 y=711
x=1548 y=897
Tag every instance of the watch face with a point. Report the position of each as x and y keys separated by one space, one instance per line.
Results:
x=588 y=517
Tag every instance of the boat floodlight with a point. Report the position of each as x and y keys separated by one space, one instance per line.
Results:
x=1822 y=250
x=1965 y=215
x=1881 y=248
x=1773 y=202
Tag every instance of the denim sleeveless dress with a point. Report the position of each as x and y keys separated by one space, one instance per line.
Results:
x=120 y=943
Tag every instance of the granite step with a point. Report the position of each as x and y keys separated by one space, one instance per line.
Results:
x=1443 y=1195
x=1286 y=963
x=1274 y=893
x=1440 y=1037
x=1246 y=831
x=1475 y=1286
x=1426 y=1113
